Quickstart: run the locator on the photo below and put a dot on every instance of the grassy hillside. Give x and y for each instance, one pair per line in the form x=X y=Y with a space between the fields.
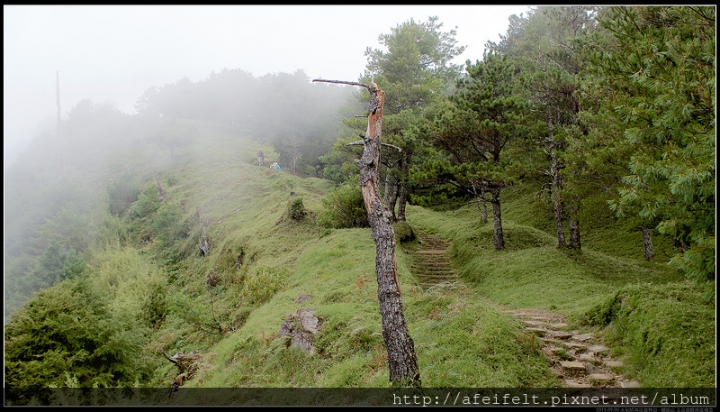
x=461 y=337
x=246 y=205
x=154 y=278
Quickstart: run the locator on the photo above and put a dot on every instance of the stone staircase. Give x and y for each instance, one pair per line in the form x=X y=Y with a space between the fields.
x=431 y=264
x=578 y=359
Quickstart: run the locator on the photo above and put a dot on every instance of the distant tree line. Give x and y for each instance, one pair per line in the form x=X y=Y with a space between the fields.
x=109 y=155
x=301 y=121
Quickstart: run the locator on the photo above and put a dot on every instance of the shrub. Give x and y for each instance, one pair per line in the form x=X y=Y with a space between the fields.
x=67 y=333
x=261 y=285
x=147 y=202
x=344 y=207
x=121 y=194
x=296 y=210
x=404 y=232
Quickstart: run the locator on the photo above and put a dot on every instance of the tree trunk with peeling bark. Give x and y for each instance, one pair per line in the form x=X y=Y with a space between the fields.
x=402 y=361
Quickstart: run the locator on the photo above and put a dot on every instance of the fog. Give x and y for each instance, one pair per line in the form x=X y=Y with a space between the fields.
x=115 y=53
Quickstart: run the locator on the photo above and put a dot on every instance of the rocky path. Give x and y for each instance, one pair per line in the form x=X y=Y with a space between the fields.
x=577 y=358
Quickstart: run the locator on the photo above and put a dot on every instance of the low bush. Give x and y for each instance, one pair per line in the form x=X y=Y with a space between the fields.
x=344 y=208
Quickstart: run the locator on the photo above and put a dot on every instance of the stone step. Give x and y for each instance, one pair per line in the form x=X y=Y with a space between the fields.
x=558 y=334
x=586 y=357
x=579 y=347
x=435 y=245
x=575 y=358
x=431 y=252
x=573 y=366
x=438 y=275
x=574 y=384
x=436 y=282
x=430 y=260
x=444 y=268
x=600 y=377
x=592 y=369
x=537 y=331
x=583 y=337
x=542 y=318
x=420 y=264
x=598 y=349
x=613 y=364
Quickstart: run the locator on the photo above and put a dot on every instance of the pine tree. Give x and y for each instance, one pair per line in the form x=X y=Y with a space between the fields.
x=660 y=64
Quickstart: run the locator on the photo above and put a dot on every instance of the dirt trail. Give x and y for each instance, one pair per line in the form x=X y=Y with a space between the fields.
x=577 y=358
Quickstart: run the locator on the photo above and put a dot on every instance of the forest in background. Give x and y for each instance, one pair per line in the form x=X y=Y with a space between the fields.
x=605 y=108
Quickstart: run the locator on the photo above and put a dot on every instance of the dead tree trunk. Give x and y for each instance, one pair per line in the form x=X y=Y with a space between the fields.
x=575 y=223
x=402 y=362
x=647 y=245
x=58 y=129
x=188 y=365
x=204 y=244
x=161 y=192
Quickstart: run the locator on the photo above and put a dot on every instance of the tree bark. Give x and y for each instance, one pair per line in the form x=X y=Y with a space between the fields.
x=647 y=245
x=497 y=220
x=555 y=188
x=403 y=196
x=161 y=192
x=391 y=194
x=402 y=361
x=574 y=224
x=204 y=244
x=480 y=199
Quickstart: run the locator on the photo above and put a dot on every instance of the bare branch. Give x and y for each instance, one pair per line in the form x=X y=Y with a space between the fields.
x=168 y=357
x=391 y=145
x=367 y=86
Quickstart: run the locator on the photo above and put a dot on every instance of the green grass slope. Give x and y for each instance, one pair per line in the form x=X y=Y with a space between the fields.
x=461 y=337
x=661 y=325
x=156 y=279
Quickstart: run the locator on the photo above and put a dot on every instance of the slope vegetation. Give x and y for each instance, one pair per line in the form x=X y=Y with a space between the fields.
x=274 y=300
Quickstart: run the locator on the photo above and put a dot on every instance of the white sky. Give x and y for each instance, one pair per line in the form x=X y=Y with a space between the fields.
x=117 y=52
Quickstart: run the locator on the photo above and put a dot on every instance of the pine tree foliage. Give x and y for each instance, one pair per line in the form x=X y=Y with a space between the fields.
x=660 y=64
x=480 y=123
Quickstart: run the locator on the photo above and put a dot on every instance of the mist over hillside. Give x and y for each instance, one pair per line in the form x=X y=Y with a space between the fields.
x=243 y=231
x=102 y=152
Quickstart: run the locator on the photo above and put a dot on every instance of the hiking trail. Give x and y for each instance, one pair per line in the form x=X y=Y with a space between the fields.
x=577 y=358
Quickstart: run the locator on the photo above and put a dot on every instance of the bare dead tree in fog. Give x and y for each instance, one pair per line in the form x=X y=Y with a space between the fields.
x=402 y=361
x=161 y=192
x=58 y=128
